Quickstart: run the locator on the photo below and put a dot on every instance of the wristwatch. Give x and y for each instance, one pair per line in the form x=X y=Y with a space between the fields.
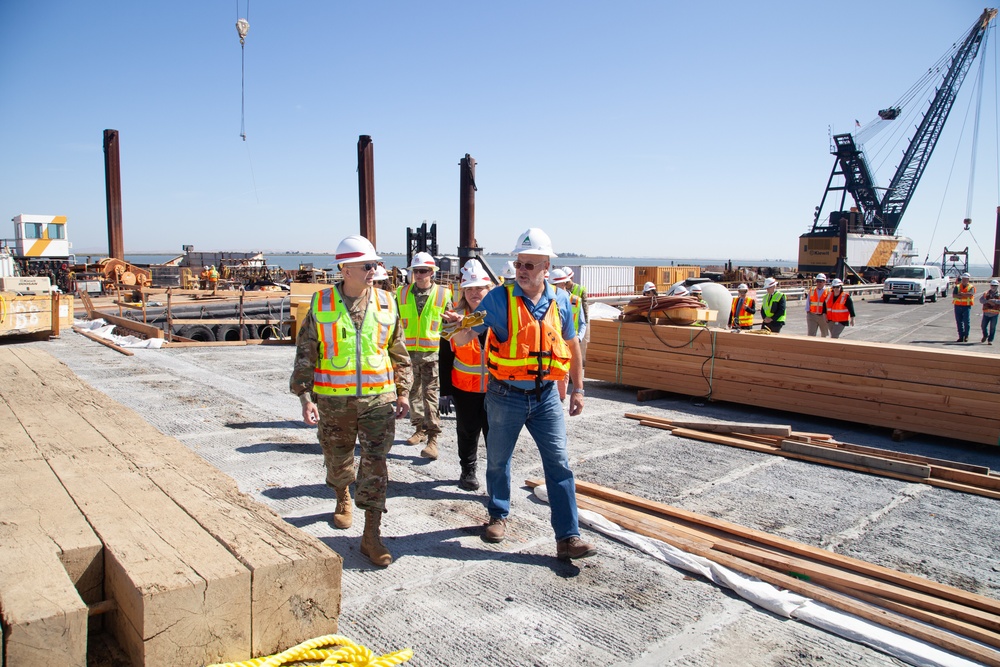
x=578 y=390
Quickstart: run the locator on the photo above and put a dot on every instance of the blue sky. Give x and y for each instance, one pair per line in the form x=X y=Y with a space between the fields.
x=652 y=129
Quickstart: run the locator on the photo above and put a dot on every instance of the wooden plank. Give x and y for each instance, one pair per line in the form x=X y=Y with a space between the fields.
x=102 y=341
x=260 y=320
x=857 y=458
x=147 y=330
x=25 y=314
x=734 y=427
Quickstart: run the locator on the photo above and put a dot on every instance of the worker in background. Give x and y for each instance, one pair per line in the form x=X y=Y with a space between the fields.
x=742 y=310
x=839 y=308
x=509 y=273
x=580 y=292
x=773 y=308
x=464 y=377
x=381 y=277
x=213 y=279
x=991 y=310
x=521 y=392
x=203 y=278
x=696 y=293
x=560 y=278
x=816 y=308
x=352 y=375
x=962 y=296
x=421 y=305
x=649 y=289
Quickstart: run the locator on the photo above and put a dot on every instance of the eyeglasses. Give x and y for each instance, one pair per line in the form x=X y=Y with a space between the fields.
x=423 y=270
x=369 y=266
x=530 y=266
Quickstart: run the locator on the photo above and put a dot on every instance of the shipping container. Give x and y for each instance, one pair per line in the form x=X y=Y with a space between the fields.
x=663 y=276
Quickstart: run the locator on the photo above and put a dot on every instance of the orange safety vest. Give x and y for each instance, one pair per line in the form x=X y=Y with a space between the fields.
x=836 y=309
x=534 y=349
x=964 y=296
x=815 y=301
x=468 y=371
x=987 y=308
x=746 y=318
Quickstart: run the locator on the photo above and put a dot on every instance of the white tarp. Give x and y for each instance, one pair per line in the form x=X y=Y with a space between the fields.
x=102 y=329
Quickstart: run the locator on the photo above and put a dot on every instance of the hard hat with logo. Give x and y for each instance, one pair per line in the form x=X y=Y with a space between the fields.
x=423 y=260
x=966 y=275
x=649 y=286
x=380 y=273
x=742 y=287
x=534 y=242
x=769 y=282
x=821 y=276
x=355 y=248
x=557 y=276
x=509 y=272
x=474 y=275
x=836 y=282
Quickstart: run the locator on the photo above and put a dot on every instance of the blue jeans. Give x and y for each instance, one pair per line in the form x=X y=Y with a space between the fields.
x=990 y=327
x=962 y=319
x=507 y=410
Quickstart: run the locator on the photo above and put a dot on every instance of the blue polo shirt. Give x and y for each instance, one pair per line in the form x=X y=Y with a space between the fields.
x=494 y=304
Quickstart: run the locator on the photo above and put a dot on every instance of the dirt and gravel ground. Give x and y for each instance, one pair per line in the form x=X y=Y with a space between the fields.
x=458 y=600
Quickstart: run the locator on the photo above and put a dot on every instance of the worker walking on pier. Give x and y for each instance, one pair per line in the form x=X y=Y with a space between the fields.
x=352 y=375
x=962 y=296
x=773 y=309
x=816 y=308
x=580 y=292
x=421 y=305
x=991 y=311
x=532 y=344
x=742 y=310
x=839 y=308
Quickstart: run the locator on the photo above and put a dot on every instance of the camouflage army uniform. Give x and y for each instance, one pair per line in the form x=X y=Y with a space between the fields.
x=342 y=419
x=424 y=411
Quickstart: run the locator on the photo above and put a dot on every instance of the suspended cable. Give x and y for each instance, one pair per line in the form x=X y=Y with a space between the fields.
x=975 y=136
x=242 y=28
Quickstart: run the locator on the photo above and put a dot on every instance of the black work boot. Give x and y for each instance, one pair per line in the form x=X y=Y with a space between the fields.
x=468 y=480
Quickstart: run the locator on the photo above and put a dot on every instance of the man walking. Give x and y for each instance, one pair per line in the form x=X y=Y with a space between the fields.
x=991 y=311
x=816 y=308
x=742 y=310
x=352 y=375
x=839 y=308
x=773 y=309
x=532 y=345
x=962 y=297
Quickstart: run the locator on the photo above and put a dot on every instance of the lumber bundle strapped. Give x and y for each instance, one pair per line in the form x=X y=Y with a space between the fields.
x=842 y=581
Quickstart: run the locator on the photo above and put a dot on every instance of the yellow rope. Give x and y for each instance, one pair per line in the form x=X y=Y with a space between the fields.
x=322 y=649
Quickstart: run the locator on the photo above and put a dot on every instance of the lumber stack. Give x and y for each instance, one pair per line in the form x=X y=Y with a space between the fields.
x=109 y=514
x=924 y=609
x=936 y=392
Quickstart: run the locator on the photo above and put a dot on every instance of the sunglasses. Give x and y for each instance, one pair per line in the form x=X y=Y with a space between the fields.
x=370 y=266
x=423 y=270
x=530 y=266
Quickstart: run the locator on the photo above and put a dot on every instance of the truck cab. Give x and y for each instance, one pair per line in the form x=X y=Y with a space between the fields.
x=917 y=281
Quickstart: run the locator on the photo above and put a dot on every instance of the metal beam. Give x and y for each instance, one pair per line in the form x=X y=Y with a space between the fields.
x=113 y=190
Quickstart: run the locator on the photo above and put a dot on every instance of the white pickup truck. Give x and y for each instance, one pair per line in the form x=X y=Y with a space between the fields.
x=917 y=281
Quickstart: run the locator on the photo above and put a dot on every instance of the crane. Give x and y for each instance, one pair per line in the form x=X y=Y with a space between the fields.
x=866 y=233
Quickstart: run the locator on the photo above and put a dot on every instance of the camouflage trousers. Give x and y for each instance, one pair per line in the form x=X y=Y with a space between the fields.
x=370 y=420
x=424 y=409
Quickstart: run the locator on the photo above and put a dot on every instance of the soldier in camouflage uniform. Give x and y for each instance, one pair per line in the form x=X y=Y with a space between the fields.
x=364 y=402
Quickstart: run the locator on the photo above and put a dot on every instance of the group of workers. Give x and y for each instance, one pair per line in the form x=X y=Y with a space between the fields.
x=209 y=278
x=366 y=357
x=962 y=298
x=829 y=310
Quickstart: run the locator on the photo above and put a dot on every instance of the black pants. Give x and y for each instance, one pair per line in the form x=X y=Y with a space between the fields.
x=774 y=327
x=470 y=417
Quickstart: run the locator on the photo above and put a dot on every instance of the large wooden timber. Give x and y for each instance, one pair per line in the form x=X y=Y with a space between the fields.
x=945 y=393
x=200 y=572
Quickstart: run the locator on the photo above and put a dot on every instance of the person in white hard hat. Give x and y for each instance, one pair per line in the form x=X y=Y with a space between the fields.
x=380 y=277
x=962 y=296
x=203 y=277
x=580 y=292
x=743 y=308
x=464 y=377
x=421 y=306
x=508 y=273
x=649 y=289
x=816 y=308
x=696 y=293
x=839 y=308
x=353 y=326
x=533 y=344
x=990 y=301
x=772 y=309
x=561 y=279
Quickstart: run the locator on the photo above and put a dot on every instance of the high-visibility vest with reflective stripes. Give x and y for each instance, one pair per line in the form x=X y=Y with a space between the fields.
x=987 y=308
x=577 y=305
x=351 y=361
x=964 y=296
x=816 y=301
x=468 y=371
x=836 y=309
x=578 y=290
x=533 y=349
x=769 y=300
x=745 y=318
x=422 y=331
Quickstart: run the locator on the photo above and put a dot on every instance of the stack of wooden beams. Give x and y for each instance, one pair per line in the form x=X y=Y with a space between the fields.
x=937 y=392
x=102 y=513
x=921 y=608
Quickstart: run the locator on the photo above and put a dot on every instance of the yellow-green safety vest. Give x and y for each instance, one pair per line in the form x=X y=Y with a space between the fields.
x=422 y=331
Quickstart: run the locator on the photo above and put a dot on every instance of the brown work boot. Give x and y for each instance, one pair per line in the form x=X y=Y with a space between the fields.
x=419 y=436
x=574 y=547
x=496 y=530
x=344 y=513
x=431 y=450
x=371 y=540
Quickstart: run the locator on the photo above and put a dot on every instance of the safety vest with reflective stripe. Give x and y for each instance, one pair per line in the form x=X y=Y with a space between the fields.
x=422 y=331
x=577 y=304
x=987 y=308
x=770 y=299
x=351 y=361
x=964 y=294
x=745 y=318
x=836 y=309
x=816 y=301
x=468 y=371
x=533 y=349
x=578 y=290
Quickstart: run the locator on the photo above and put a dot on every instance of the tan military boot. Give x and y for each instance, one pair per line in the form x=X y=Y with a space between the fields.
x=343 y=515
x=419 y=436
x=431 y=450
x=371 y=540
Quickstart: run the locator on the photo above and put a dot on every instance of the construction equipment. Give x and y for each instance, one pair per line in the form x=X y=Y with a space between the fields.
x=862 y=239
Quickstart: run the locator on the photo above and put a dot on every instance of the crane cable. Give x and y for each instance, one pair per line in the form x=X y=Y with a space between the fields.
x=975 y=131
x=242 y=28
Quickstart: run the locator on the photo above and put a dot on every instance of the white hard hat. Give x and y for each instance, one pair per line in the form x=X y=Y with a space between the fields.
x=402 y=272
x=557 y=276
x=423 y=260
x=380 y=273
x=648 y=286
x=994 y=283
x=966 y=275
x=821 y=276
x=509 y=272
x=769 y=282
x=474 y=275
x=696 y=289
x=681 y=291
x=742 y=287
x=534 y=242
x=356 y=249
x=569 y=272
x=206 y=267
x=836 y=282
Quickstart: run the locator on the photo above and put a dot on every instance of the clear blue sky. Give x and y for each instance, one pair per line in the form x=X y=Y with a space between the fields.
x=655 y=129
